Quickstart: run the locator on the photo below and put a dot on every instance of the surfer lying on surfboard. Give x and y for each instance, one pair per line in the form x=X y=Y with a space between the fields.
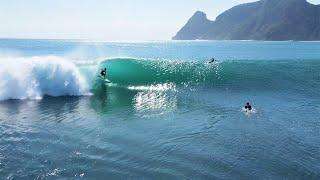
x=248 y=107
x=212 y=61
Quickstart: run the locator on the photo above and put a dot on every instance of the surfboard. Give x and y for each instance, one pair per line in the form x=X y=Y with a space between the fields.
x=107 y=81
x=104 y=79
x=249 y=112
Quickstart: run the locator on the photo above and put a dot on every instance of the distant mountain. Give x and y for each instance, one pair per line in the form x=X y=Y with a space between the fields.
x=261 y=20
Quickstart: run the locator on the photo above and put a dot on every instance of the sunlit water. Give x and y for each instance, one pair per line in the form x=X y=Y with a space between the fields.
x=167 y=114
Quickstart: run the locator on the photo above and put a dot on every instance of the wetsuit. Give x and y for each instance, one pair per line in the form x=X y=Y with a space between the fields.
x=248 y=107
x=103 y=73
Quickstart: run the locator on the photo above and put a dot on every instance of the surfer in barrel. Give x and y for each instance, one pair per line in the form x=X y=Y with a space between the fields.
x=103 y=73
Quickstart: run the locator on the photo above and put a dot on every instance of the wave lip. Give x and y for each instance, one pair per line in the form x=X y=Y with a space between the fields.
x=34 y=77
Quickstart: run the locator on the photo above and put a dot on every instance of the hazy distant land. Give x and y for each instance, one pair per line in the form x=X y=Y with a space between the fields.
x=273 y=20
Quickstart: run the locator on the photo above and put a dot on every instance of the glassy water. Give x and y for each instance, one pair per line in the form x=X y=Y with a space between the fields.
x=167 y=114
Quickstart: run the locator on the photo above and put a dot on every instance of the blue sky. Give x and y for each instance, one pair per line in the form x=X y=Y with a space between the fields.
x=103 y=19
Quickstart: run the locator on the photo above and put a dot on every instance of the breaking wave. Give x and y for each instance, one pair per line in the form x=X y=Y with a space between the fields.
x=35 y=77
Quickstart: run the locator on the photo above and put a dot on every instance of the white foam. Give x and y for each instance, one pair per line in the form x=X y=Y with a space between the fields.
x=34 y=77
x=158 y=87
x=249 y=112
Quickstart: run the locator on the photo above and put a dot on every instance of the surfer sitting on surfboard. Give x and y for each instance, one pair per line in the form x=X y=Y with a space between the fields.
x=248 y=107
x=103 y=73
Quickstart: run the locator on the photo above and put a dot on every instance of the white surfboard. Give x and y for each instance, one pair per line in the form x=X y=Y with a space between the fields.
x=104 y=79
x=249 y=112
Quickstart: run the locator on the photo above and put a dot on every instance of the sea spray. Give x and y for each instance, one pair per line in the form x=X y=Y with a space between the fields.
x=34 y=77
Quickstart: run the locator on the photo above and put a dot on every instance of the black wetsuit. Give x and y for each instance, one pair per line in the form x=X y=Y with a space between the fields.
x=248 y=107
x=103 y=73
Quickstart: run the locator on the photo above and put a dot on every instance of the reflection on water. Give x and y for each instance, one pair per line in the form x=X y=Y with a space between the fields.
x=55 y=108
x=150 y=100
x=71 y=137
x=136 y=100
x=152 y=103
x=154 y=100
x=158 y=87
x=111 y=99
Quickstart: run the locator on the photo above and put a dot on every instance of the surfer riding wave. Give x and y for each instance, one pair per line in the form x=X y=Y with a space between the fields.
x=103 y=73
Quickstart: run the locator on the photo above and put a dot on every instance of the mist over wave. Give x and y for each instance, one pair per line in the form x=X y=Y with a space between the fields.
x=34 y=77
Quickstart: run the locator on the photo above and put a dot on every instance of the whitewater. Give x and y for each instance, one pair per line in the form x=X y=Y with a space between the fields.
x=34 y=77
x=166 y=114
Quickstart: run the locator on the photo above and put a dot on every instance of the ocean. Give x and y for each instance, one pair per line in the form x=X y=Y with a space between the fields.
x=167 y=113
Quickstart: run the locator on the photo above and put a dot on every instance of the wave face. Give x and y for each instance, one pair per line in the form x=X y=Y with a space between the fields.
x=253 y=74
x=128 y=71
x=34 y=77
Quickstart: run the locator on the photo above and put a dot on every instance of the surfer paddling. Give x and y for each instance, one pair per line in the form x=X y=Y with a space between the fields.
x=212 y=61
x=103 y=73
x=248 y=107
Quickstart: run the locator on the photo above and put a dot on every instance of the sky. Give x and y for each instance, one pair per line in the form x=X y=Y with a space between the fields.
x=111 y=20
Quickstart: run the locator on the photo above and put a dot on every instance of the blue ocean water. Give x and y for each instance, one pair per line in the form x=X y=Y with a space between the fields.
x=167 y=114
